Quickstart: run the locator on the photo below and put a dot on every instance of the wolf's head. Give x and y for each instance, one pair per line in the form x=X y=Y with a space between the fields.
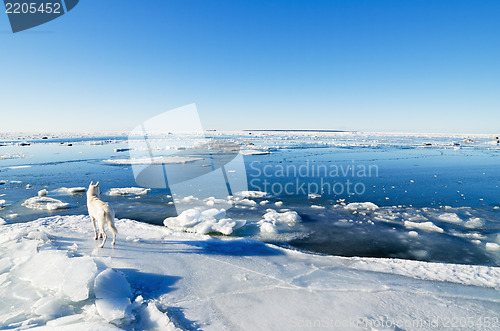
x=93 y=190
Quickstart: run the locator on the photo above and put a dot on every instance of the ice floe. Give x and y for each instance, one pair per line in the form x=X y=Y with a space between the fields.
x=129 y=191
x=155 y=160
x=44 y=203
x=273 y=221
x=425 y=226
x=71 y=190
x=252 y=194
x=203 y=222
x=361 y=206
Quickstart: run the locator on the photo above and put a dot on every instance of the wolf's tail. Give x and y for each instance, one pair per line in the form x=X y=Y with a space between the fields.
x=110 y=215
x=113 y=227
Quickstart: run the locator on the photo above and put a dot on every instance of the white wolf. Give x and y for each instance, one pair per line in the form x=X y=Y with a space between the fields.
x=102 y=212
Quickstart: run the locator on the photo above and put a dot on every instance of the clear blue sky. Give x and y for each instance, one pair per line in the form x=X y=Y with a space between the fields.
x=417 y=66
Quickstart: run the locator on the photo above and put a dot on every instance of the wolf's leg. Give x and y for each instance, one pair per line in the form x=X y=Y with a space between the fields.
x=95 y=228
x=104 y=237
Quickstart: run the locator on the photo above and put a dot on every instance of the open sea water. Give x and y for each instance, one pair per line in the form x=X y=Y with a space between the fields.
x=433 y=197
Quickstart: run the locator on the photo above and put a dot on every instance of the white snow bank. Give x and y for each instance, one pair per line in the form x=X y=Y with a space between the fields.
x=471 y=275
x=113 y=293
x=128 y=191
x=425 y=226
x=155 y=160
x=44 y=203
x=71 y=190
x=273 y=221
x=203 y=222
x=195 y=281
x=361 y=206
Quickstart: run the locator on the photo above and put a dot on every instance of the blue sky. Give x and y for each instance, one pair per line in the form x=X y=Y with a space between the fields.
x=407 y=66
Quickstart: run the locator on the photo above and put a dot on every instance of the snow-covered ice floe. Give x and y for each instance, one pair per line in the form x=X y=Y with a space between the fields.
x=44 y=203
x=252 y=194
x=273 y=221
x=155 y=160
x=129 y=191
x=71 y=190
x=211 y=220
x=52 y=274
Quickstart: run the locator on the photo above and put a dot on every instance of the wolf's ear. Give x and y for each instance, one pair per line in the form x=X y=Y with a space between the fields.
x=91 y=183
x=97 y=184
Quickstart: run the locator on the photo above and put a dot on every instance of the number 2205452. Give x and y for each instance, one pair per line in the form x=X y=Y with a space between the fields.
x=32 y=8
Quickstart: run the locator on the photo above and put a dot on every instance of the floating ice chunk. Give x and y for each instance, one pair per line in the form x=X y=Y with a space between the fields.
x=252 y=194
x=274 y=221
x=44 y=203
x=253 y=152
x=247 y=202
x=189 y=199
x=55 y=271
x=425 y=226
x=313 y=196
x=413 y=233
x=492 y=246
x=128 y=191
x=317 y=207
x=450 y=217
x=113 y=293
x=71 y=190
x=361 y=206
x=20 y=167
x=2 y=221
x=2 y=203
x=42 y=193
x=278 y=203
x=196 y=221
x=155 y=160
x=263 y=203
x=474 y=223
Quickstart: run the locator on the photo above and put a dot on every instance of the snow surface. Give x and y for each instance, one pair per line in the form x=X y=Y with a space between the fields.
x=44 y=203
x=53 y=275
